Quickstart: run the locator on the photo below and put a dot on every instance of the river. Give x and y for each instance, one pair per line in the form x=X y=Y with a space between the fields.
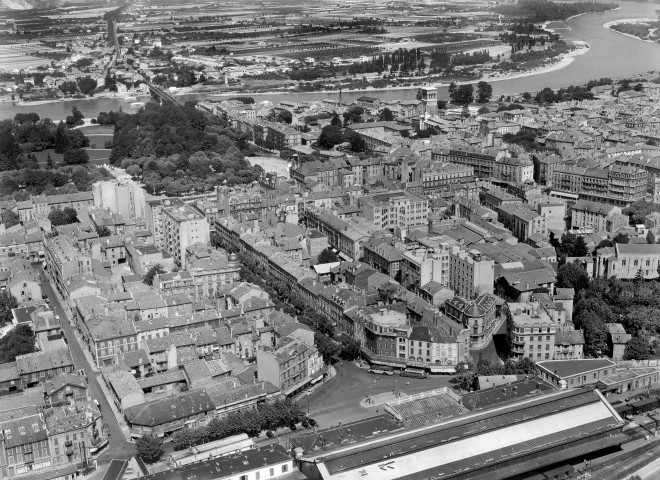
x=610 y=55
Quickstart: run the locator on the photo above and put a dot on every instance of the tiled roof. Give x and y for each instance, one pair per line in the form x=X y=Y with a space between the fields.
x=123 y=383
x=42 y=361
x=165 y=378
x=170 y=409
x=222 y=394
x=62 y=380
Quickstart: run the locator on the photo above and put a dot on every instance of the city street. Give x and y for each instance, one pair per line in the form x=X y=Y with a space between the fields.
x=496 y=349
x=338 y=399
x=118 y=448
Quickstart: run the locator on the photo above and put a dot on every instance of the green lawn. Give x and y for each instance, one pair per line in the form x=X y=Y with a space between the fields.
x=99 y=140
x=95 y=156
x=41 y=156
x=97 y=129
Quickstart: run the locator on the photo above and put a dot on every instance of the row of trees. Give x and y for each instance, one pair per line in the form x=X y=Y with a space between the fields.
x=522 y=41
x=465 y=94
x=466 y=373
x=267 y=417
x=20 y=184
x=540 y=11
x=328 y=344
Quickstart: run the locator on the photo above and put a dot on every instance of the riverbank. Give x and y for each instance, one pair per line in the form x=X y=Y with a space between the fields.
x=609 y=26
x=557 y=63
x=563 y=61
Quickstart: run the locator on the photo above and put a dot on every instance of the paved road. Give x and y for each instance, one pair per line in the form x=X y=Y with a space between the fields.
x=497 y=348
x=338 y=399
x=119 y=448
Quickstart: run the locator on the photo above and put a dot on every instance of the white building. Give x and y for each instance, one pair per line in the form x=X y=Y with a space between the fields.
x=122 y=196
x=470 y=273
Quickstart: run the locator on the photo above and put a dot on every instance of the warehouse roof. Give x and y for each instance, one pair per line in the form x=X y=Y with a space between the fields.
x=569 y=368
x=474 y=441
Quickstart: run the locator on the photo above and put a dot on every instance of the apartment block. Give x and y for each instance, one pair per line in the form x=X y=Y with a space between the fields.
x=522 y=221
x=619 y=185
x=237 y=201
x=470 y=273
x=64 y=260
x=482 y=160
x=121 y=196
x=395 y=210
x=182 y=226
x=531 y=332
x=593 y=215
x=445 y=177
x=422 y=265
x=479 y=316
x=291 y=367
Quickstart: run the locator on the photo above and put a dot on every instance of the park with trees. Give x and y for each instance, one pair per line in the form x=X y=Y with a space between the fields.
x=28 y=137
x=178 y=149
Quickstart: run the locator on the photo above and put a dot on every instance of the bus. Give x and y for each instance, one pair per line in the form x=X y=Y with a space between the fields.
x=414 y=372
x=381 y=370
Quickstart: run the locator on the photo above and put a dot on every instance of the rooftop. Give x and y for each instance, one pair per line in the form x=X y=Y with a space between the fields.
x=570 y=368
x=231 y=466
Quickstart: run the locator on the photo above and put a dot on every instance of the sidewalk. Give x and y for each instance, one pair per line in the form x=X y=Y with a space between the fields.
x=120 y=420
x=83 y=347
x=381 y=399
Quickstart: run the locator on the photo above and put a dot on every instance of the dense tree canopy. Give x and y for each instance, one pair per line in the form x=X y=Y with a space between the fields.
x=572 y=275
x=466 y=373
x=178 y=149
x=328 y=256
x=151 y=273
x=9 y=218
x=150 y=448
x=330 y=136
x=484 y=92
x=462 y=94
x=59 y=217
x=638 y=210
x=7 y=302
x=18 y=341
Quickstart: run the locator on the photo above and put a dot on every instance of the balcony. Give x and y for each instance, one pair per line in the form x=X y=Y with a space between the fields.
x=517 y=349
x=69 y=451
x=68 y=443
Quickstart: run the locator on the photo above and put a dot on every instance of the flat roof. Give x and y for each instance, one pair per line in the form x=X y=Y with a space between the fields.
x=570 y=368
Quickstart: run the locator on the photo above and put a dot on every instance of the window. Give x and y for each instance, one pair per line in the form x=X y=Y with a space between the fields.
x=285 y=468
x=272 y=472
